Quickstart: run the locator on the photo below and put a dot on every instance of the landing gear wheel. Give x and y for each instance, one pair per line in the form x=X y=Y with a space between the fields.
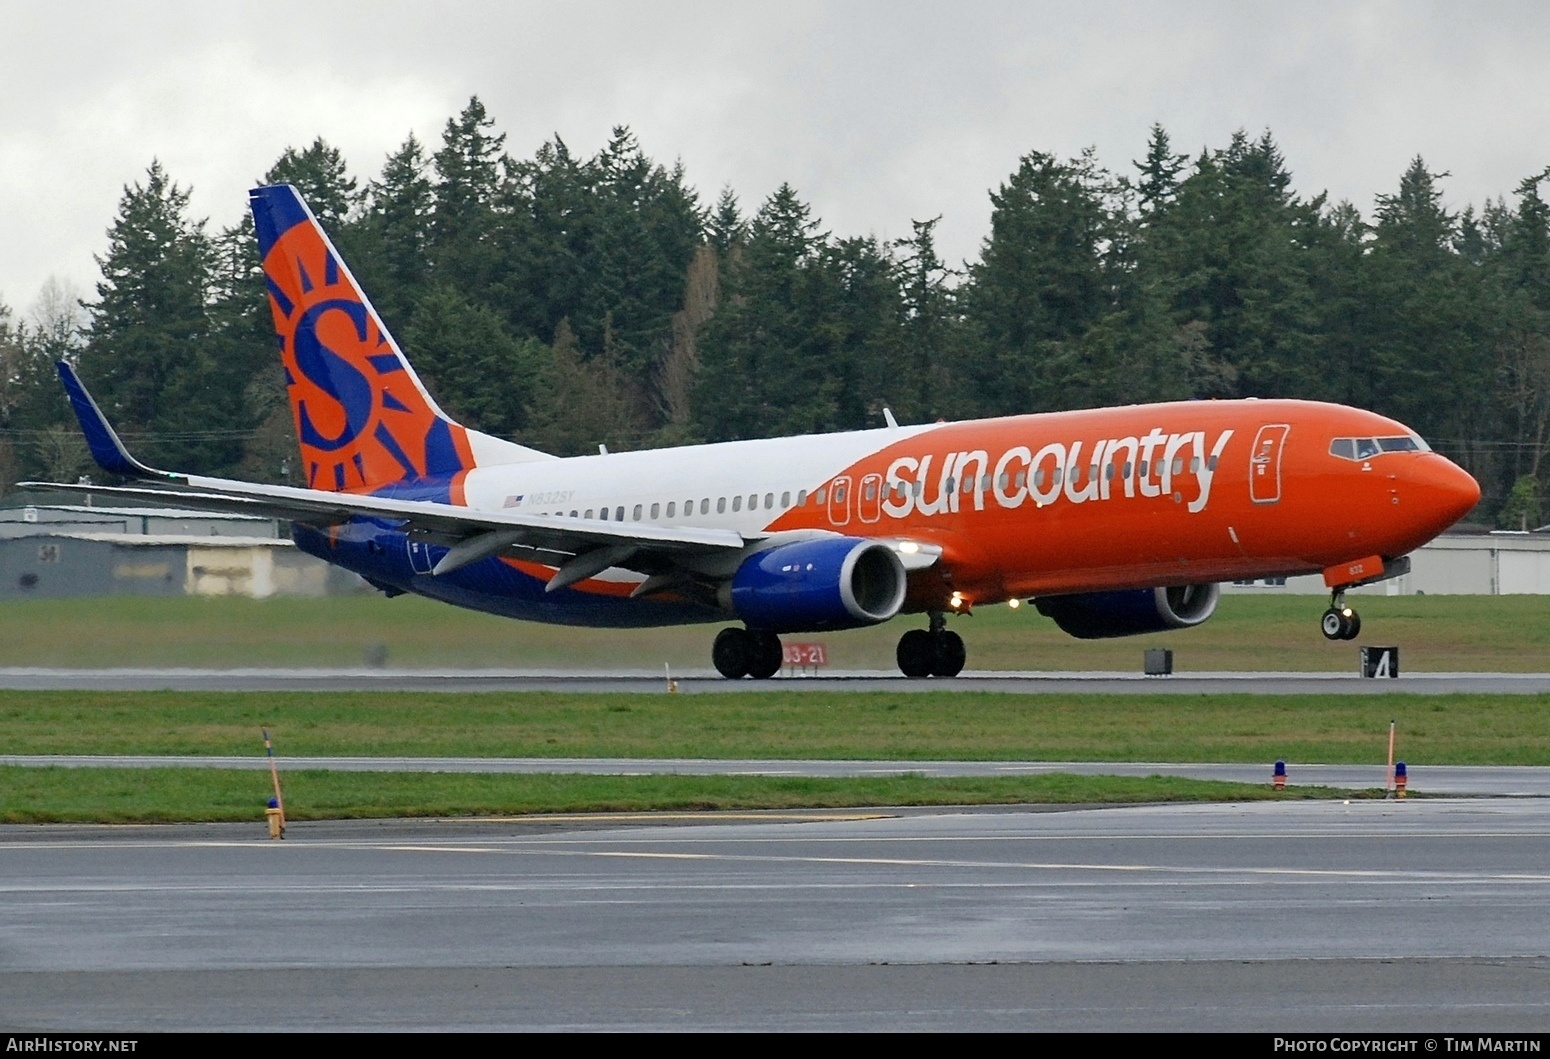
x=950 y=655
x=765 y=658
x=916 y=654
x=1340 y=624
x=732 y=653
x=1353 y=625
x=1332 y=624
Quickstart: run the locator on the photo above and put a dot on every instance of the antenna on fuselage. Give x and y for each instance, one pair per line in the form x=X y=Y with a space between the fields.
x=888 y=415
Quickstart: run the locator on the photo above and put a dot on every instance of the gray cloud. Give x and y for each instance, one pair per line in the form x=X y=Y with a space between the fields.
x=876 y=112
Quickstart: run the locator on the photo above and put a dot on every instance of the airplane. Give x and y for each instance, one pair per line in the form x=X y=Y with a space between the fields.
x=1111 y=521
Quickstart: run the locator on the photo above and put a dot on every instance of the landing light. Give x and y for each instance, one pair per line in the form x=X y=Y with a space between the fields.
x=1014 y=603
x=909 y=547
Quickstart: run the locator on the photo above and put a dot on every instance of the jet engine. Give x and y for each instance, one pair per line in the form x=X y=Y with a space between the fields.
x=807 y=586
x=1102 y=615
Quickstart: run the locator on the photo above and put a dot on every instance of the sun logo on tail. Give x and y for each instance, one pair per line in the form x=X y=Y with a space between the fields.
x=362 y=418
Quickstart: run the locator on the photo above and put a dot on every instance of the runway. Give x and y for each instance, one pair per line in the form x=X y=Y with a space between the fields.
x=1410 y=917
x=702 y=681
x=1509 y=781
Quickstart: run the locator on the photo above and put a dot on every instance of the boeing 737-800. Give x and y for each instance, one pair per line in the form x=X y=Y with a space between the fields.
x=1112 y=521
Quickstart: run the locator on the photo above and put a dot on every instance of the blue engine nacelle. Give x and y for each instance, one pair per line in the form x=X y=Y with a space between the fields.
x=808 y=586
x=1101 y=615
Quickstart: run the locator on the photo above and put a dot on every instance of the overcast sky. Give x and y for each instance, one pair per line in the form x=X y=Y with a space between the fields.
x=876 y=113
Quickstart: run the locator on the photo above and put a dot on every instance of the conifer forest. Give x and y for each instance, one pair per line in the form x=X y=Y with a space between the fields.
x=570 y=301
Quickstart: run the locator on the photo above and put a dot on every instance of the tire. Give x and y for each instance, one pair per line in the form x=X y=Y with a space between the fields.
x=916 y=654
x=765 y=656
x=731 y=653
x=1333 y=624
x=1353 y=626
x=950 y=655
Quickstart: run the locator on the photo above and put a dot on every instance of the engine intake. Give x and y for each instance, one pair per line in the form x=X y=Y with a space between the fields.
x=1131 y=612
x=809 y=586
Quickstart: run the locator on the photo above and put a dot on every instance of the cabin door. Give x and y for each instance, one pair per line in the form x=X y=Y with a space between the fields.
x=1265 y=463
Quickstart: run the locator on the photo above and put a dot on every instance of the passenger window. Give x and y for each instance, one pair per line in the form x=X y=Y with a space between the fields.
x=1194 y=465
x=1056 y=477
x=1108 y=472
x=672 y=508
x=785 y=499
x=721 y=505
x=1142 y=467
x=705 y=506
x=1211 y=463
x=572 y=514
x=1178 y=465
x=1022 y=476
x=636 y=516
x=769 y=501
x=818 y=495
x=801 y=497
x=619 y=513
x=589 y=513
x=1125 y=471
x=737 y=503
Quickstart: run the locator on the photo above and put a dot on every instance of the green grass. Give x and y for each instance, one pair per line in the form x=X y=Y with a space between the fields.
x=1435 y=633
x=58 y=795
x=1450 y=729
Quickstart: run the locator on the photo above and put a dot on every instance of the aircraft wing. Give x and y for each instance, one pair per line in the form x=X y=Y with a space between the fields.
x=579 y=548
x=575 y=545
x=472 y=534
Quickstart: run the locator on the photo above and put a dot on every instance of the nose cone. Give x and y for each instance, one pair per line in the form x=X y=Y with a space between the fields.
x=1437 y=493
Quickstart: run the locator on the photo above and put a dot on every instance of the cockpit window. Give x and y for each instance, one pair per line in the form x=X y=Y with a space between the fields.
x=1367 y=448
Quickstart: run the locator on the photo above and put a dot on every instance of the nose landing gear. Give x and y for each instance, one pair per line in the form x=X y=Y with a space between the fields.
x=935 y=652
x=1340 y=622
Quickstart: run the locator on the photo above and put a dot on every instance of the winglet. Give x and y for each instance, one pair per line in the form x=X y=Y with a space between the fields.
x=106 y=448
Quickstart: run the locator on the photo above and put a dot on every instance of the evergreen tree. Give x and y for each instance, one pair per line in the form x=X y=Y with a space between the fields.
x=585 y=403
x=478 y=372
x=1042 y=282
x=764 y=370
x=149 y=357
x=319 y=172
x=468 y=170
x=394 y=233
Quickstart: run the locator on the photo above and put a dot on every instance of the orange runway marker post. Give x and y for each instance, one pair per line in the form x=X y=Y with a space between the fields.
x=1400 y=778
x=1391 y=759
x=275 y=813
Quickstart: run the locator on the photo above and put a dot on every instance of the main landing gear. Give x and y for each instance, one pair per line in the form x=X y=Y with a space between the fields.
x=739 y=653
x=1340 y=622
x=937 y=652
